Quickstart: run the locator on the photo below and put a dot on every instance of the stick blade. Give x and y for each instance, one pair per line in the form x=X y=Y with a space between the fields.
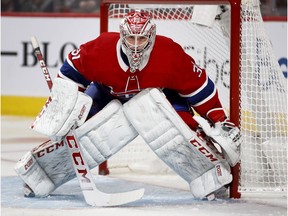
x=113 y=199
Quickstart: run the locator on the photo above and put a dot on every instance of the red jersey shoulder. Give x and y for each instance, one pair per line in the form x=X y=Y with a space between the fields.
x=94 y=53
x=171 y=51
x=103 y=39
x=166 y=44
x=186 y=75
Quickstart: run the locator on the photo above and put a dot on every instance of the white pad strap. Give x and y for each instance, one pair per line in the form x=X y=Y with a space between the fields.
x=66 y=107
x=169 y=137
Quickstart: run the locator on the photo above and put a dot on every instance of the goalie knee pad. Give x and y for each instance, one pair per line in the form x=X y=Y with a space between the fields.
x=173 y=141
x=100 y=137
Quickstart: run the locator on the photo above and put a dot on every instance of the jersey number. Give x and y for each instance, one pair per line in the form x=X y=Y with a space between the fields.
x=75 y=54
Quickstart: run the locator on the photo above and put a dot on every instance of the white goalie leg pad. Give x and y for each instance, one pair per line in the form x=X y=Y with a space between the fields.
x=34 y=176
x=172 y=140
x=65 y=107
x=106 y=133
x=100 y=137
x=210 y=181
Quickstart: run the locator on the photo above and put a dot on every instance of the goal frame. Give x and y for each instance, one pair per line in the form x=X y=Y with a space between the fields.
x=235 y=42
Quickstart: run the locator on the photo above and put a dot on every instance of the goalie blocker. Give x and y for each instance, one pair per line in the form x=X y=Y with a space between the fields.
x=152 y=116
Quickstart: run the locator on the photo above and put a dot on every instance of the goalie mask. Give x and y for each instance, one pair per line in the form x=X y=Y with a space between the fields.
x=137 y=32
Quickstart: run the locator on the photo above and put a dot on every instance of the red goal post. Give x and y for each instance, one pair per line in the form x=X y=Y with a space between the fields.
x=249 y=52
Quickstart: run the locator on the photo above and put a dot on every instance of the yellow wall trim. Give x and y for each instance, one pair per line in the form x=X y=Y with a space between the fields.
x=21 y=105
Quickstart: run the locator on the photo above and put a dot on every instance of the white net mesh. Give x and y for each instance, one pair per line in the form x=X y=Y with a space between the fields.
x=263 y=95
x=263 y=108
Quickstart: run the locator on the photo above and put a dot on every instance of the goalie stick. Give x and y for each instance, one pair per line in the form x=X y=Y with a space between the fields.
x=93 y=196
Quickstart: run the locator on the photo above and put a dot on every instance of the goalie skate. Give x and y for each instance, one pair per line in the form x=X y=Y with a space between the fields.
x=221 y=193
x=28 y=192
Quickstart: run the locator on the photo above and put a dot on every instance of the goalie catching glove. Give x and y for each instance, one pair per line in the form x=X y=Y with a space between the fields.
x=223 y=133
x=65 y=107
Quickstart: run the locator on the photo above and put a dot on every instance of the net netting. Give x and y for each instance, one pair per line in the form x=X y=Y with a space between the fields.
x=263 y=107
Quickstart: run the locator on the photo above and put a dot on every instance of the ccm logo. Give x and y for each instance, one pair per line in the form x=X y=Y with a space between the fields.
x=77 y=158
x=218 y=170
x=203 y=150
x=45 y=70
x=82 y=112
x=28 y=164
x=49 y=149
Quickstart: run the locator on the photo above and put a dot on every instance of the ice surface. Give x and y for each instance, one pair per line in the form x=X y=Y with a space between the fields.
x=164 y=195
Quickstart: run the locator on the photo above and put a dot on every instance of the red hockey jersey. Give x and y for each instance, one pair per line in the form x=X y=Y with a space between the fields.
x=168 y=67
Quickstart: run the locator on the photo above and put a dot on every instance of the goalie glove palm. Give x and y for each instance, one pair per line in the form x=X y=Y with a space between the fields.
x=225 y=134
